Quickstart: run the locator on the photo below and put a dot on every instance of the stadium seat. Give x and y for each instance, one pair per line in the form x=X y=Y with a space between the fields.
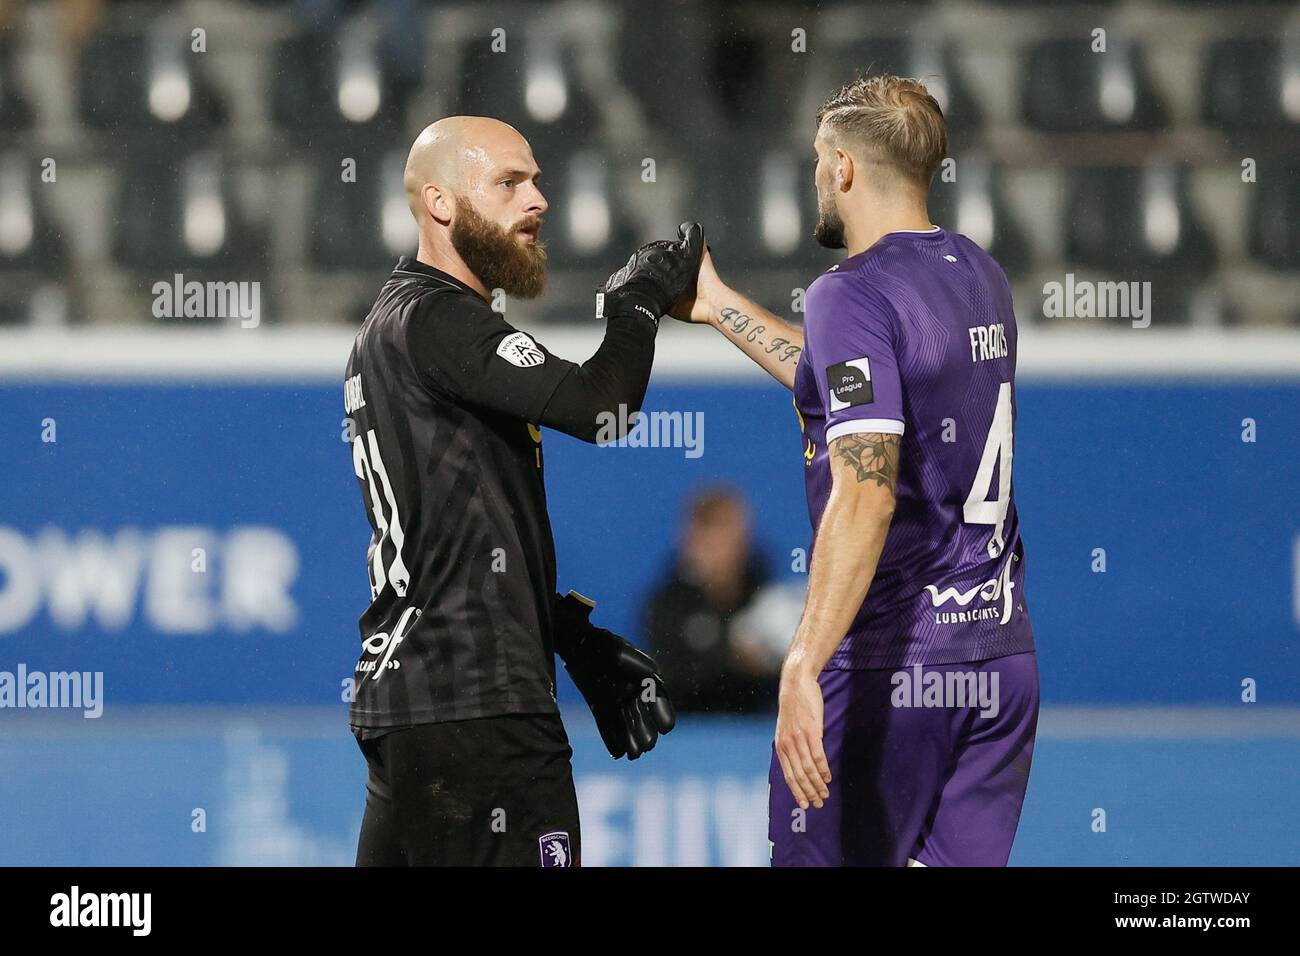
x=760 y=204
x=335 y=85
x=540 y=93
x=662 y=64
x=1067 y=88
x=1136 y=220
x=33 y=250
x=974 y=205
x=146 y=82
x=725 y=108
x=180 y=214
x=1274 y=230
x=361 y=225
x=29 y=239
x=1243 y=86
x=588 y=220
x=751 y=75
x=15 y=113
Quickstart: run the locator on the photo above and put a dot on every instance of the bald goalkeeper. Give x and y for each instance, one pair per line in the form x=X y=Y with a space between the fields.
x=454 y=705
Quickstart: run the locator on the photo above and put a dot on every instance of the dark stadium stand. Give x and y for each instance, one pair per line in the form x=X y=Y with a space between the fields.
x=15 y=113
x=975 y=204
x=1244 y=85
x=1137 y=224
x=183 y=213
x=588 y=223
x=325 y=86
x=1066 y=157
x=139 y=82
x=33 y=250
x=362 y=225
x=1131 y=218
x=1067 y=88
x=1275 y=219
x=29 y=238
x=540 y=91
x=760 y=205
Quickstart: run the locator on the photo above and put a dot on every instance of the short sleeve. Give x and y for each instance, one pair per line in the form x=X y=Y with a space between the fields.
x=472 y=354
x=852 y=336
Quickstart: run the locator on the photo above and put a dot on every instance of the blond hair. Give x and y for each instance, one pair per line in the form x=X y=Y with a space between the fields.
x=894 y=118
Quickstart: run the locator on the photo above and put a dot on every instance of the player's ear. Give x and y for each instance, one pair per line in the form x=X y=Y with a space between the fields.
x=438 y=202
x=843 y=171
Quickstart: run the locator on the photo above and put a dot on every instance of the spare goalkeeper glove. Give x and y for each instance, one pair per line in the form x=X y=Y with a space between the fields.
x=621 y=684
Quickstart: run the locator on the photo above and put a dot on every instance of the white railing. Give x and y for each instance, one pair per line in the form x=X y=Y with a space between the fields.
x=313 y=353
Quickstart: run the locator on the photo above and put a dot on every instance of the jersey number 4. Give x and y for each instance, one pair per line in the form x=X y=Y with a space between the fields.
x=369 y=466
x=997 y=451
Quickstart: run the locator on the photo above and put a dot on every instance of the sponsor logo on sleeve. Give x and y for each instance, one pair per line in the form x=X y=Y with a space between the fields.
x=850 y=384
x=519 y=349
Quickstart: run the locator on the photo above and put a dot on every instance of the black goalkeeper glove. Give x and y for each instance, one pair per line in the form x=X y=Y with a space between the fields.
x=621 y=684
x=657 y=275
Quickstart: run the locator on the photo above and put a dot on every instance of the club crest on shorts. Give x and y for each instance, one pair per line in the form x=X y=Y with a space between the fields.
x=554 y=848
x=518 y=348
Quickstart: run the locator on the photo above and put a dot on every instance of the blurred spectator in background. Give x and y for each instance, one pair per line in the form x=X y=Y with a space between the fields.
x=717 y=628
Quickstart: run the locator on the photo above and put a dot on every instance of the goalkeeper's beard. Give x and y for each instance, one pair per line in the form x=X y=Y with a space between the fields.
x=495 y=254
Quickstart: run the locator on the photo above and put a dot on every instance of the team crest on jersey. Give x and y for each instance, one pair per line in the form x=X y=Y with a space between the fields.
x=849 y=383
x=518 y=348
x=554 y=848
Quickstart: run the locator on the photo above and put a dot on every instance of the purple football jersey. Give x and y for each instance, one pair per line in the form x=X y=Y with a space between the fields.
x=916 y=337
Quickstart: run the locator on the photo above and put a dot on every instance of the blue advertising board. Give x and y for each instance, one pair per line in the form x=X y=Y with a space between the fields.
x=205 y=544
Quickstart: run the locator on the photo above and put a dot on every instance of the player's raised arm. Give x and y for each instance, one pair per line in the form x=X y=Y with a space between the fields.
x=771 y=342
x=631 y=301
x=864 y=469
x=481 y=359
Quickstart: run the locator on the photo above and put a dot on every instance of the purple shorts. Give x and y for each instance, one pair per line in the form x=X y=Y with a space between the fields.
x=928 y=764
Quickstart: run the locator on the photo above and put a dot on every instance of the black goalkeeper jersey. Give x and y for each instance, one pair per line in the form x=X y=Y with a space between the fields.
x=445 y=397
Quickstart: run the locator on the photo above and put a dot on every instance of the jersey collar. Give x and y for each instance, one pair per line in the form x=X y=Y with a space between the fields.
x=408 y=266
x=937 y=232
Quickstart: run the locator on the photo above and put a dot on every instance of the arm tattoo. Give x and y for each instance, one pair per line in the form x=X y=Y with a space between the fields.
x=872 y=455
x=787 y=350
x=737 y=322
